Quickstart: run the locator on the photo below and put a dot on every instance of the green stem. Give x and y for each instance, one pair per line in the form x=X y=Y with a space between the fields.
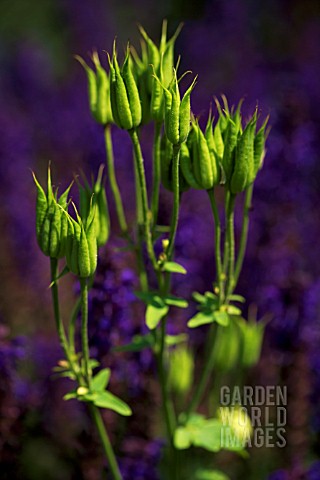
x=205 y=376
x=144 y=197
x=176 y=199
x=113 y=181
x=217 y=245
x=108 y=450
x=156 y=173
x=84 y=329
x=72 y=325
x=244 y=233
x=231 y=245
x=55 y=300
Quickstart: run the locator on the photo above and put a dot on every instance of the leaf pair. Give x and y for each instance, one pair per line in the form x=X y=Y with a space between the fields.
x=99 y=396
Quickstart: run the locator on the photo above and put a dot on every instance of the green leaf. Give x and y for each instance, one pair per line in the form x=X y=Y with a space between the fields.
x=61 y=274
x=174 y=267
x=201 y=318
x=139 y=342
x=100 y=381
x=208 y=436
x=172 y=340
x=110 y=401
x=222 y=318
x=237 y=298
x=232 y=310
x=70 y=395
x=204 y=474
x=175 y=301
x=155 y=312
x=198 y=297
x=182 y=438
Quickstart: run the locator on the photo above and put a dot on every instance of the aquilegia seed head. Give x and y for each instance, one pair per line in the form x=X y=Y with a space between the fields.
x=96 y=195
x=125 y=99
x=51 y=224
x=81 y=251
x=177 y=112
x=199 y=162
x=98 y=90
x=243 y=149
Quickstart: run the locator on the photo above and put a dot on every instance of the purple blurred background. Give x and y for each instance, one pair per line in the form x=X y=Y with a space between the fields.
x=266 y=51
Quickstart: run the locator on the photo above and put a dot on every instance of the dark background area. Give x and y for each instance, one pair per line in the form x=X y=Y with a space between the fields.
x=267 y=52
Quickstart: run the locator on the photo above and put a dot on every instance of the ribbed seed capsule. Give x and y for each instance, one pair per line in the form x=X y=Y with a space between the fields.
x=186 y=167
x=81 y=254
x=166 y=159
x=125 y=99
x=230 y=142
x=50 y=226
x=95 y=195
x=259 y=146
x=98 y=90
x=177 y=112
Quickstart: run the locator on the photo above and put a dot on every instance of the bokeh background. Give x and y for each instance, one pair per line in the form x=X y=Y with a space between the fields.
x=266 y=51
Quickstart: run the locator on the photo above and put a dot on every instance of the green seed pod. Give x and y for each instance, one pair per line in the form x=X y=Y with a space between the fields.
x=243 y=174
x=132 y=91
x=81 y=253
x=259 y=146
x=98 y=90
x=230 y=142
x=200 y=167
x=161 y=61
x=181 y=368
x=177 y=112
x=51 y=228
x=124 y=93
x=186 y=167
x=228 y=343
x=253 y=333
x=166 y=158
x=96 y=195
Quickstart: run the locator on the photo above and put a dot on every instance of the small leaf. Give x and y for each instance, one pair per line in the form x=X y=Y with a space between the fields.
x=237 y=298
x=182 y=439
x=222 y=318
x=139 y=342
x=155 y=312
x=204 y=474
x=174 y=267
x=201 y=318
x=198 y=297
x=61 y=274
x=208 y=436
x=108 y=400
x=70 y=395
x=175 y=301
x=100 y=380
x=172 y=340
x=232 y=310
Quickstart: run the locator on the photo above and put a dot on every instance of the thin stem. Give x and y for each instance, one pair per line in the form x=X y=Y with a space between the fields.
x=156 y=173
x=113 y=181
x=226 y=246
x=55 y=300
x=205 y=376
x=176 y=199
x=144 y=197
x=72 y=325
x=108 y=450
x=84 y=328
x=231 y=245
x=244 y=233
x=217 y=228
